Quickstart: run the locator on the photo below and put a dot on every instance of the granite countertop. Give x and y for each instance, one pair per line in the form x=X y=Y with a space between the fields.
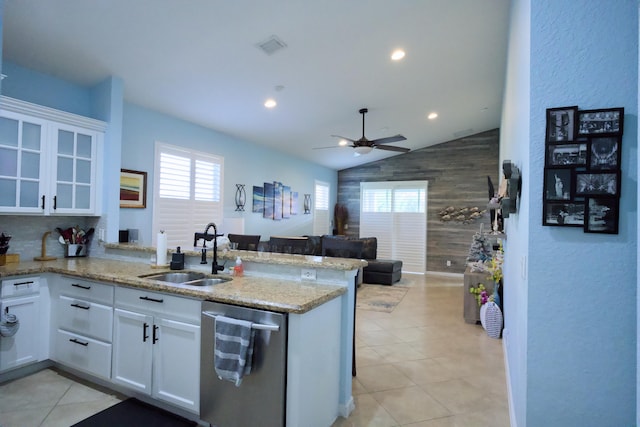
x=286 y=296
x=306 y=261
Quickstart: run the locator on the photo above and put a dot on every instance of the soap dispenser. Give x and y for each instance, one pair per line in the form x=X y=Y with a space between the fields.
x=177 y=260
x=238 y=270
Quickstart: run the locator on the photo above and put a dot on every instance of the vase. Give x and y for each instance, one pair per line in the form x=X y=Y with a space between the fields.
x=493 y=319
x=483 y=316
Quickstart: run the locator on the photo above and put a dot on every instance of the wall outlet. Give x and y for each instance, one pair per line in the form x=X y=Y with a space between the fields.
x=448 y=263
x=308 y=274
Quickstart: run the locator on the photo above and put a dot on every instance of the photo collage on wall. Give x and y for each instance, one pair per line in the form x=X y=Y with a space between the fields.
x=582 y=168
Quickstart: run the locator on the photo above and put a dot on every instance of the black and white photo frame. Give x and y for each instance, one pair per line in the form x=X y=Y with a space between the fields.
x=582 y=174
x=601 y=215
x=608 y=121
x=561 y=124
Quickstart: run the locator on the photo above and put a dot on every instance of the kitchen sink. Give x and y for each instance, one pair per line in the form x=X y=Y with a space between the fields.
x=192 y=278
x=181 y=277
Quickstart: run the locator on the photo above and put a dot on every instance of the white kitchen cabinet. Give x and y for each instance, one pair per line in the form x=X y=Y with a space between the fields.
x=23 y=347
x=83 y=325
x=50 y=160
x=156 y=346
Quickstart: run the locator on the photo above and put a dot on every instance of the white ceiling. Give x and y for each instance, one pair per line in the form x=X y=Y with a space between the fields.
x=198 y=60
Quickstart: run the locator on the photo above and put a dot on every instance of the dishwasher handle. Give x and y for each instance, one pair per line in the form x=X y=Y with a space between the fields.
x=258 y=326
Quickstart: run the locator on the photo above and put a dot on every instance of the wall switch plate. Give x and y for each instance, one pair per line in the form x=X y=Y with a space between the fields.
x=101 y=234
x=448 y=263
x=308 y=274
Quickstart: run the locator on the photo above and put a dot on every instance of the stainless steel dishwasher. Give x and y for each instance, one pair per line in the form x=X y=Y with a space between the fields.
x=261 y=397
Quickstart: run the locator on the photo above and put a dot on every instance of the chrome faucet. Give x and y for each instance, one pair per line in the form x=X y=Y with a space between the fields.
x=208 y=237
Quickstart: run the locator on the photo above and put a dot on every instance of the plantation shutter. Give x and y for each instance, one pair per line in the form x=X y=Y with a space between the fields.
x=395 y=213
x=321 y=209
x=187 y=193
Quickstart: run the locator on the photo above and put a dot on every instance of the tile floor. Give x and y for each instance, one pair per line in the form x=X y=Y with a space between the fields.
x=420 y=365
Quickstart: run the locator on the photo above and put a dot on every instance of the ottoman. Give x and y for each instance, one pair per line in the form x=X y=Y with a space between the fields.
x=382 y=271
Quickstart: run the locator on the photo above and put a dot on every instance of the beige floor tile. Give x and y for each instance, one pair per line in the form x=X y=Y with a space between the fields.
x=24 y=417
x=382 y=377
x=79 y=393
x=373 y=338
x=42 y=389
x=69 y=414
x=366 y=356
x=424 y=371
x=368 y=413
x=460 y=396
x=410 y=404
x=391 y=353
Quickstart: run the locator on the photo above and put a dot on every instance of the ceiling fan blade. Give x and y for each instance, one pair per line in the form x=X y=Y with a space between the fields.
x=342 y=137
x=389 y=139
x=391 y=148
x=322 y=148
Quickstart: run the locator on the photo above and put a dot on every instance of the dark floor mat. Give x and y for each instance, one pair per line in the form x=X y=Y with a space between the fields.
x=134 y=413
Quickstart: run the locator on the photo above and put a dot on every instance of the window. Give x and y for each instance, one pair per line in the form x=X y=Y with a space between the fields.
x=187 y=193
x=395 y=213
x=321 y=209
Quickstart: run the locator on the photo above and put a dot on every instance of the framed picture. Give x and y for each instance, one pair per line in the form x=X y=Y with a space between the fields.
x=608 y=121
x=604 y=153
x=133 y=189
x=598 y=184
x=561 y=124
x=601 y=216
x=563 y=155
x=563 y=214
x=558 y=184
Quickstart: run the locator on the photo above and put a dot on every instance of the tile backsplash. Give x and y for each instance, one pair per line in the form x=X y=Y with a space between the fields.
x=26 y=233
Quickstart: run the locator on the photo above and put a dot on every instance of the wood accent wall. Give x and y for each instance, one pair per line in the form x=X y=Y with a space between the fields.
x=457 y=173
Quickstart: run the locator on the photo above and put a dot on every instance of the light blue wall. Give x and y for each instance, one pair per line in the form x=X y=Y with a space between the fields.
x=244 y=163
x=571 y=347
x=514 y=137
x=43 y=89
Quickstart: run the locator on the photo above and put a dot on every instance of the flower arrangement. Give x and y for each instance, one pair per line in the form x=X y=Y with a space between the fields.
x=495 y=265
x=481 y=295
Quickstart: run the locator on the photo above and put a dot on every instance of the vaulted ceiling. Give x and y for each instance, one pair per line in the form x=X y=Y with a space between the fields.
x=200 y=60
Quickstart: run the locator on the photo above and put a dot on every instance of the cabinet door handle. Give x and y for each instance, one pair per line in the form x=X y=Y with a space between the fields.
x=77 y=341
x=144 y=332
x=81 y=306
x=155 y=336
x=23 y=283
x=76 y=285
x=42 y=206
x=55 y=202
x=151 y=299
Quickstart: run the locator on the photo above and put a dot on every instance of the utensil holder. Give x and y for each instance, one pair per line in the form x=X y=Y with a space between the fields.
x=74 y=250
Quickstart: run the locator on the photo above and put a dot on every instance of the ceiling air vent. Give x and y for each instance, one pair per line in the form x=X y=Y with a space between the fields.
x=272 y=45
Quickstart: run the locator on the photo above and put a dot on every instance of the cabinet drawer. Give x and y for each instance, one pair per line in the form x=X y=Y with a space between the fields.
x=170 y=306
x=86 y=290
x=20 y=286
x=82 y=353
x=86 y=318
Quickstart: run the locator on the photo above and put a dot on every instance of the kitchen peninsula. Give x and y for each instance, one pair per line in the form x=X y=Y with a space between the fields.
x=321 y=304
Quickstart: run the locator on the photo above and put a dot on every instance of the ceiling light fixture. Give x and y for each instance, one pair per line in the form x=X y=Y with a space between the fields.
x=432 y=116
x=363 y=149
x=397 y=54
x=270 y=103
x=343 y=142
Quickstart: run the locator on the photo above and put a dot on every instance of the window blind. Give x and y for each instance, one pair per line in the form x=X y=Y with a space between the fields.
x=395 y=213
x=321 y=209
x=187 y=193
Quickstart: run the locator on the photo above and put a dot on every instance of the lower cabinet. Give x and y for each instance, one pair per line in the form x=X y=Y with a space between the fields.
x=153 y=353
x=83 y=353
x=24 y=346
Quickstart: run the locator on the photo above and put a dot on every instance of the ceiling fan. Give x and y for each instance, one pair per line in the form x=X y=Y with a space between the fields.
x=364 y=146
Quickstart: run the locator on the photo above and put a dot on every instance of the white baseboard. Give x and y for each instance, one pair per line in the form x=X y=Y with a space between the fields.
x=512 y=415
x=444 y=274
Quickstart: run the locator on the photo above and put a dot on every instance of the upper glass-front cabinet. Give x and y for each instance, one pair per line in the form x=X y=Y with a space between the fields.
x=48 y=167
x=75 y=165
x=22 y=163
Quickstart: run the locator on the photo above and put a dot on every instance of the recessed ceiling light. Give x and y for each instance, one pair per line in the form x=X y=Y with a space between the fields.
x=270 y=103
x=398 y=54
x=432 y=116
